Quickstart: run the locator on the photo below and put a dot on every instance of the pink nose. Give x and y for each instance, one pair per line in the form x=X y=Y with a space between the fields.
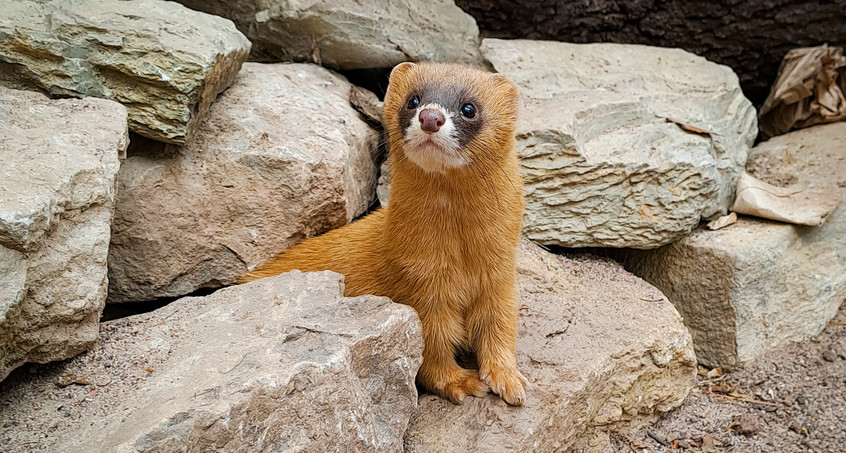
x=431 y=120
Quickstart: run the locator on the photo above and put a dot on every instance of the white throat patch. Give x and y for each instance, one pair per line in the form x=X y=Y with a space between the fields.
x=434 y=152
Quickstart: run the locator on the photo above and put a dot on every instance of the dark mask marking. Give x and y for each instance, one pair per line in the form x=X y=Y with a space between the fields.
x=451 y=97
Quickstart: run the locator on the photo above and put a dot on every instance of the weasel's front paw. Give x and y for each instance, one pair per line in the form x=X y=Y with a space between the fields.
x=507 y=382
x=465 y=383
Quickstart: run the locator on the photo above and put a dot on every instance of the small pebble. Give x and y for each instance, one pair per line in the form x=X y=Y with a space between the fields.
x=829 y=355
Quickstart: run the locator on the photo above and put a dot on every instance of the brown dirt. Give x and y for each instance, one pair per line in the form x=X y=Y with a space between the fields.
x=793 y=400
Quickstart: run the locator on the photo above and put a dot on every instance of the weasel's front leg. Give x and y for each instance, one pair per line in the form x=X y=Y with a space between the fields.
x=492 y=326
x=439 y=373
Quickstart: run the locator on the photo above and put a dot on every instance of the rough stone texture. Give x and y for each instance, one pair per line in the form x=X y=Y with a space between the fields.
x=280 y=156
x=751 y=37
x=383 y=187
x=281 y=364
x=754 y=286
x=602 y=350
x=57 y=191
x=603 y=166
x=352 y=34
x=164 y=62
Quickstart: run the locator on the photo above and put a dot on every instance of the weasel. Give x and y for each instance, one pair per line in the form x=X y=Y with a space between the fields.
x=446 y=242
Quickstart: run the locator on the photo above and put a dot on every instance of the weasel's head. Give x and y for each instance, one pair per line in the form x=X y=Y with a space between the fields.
x=444 y=117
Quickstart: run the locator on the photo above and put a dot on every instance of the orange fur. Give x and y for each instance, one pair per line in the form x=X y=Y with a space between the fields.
x=445 y=244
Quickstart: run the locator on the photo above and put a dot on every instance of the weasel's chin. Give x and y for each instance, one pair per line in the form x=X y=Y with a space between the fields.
x=431 y=145
x=433 y=157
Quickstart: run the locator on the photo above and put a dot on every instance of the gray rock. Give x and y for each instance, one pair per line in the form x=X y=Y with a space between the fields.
x=164 y=62
x=603 y=164
x=352 y=34
x=282 y=364
x=383 y=186
x=602 y=350
x=756 y=285
x=57 y=191
x=280 y=156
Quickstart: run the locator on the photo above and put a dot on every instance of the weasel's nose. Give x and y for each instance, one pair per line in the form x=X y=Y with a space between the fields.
x=431 y=120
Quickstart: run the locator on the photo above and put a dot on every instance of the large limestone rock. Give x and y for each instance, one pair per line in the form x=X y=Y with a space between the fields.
x=604 y=165
x=164 y=62
x=57 y=190
x=602 y=350
x=282 y=364
x=280 y=156
x=757 y=285
x=352 y=34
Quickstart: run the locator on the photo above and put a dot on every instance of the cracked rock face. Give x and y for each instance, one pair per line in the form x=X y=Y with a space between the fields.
x=57 y=189
x=285 y=363
x=602 y=351
x=352 y=34
x=603 y=161
x=757 y=285
x=280 y=156
x=164 y=62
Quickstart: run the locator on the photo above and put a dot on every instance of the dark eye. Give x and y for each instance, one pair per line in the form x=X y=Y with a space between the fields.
x=413 y=102
x=468 y=111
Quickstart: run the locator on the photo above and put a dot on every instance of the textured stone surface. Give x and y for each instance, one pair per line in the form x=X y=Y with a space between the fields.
x=282 y=364
x=280 y=156
x=164 y=62
x=602 y=350
x=603 y=166
x=757 y=285
x=751 y=37
x=57 y=190
x=352 y=34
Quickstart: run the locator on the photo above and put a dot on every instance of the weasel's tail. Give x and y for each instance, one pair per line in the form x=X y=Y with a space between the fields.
x=340 y=250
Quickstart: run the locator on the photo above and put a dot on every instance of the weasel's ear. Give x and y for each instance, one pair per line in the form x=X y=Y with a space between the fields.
x=505 y=83
x=400 y=70
x=507 y=90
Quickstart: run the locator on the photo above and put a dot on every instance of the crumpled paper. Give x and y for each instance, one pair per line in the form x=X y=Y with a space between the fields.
x=810 y=89
x=793 y=204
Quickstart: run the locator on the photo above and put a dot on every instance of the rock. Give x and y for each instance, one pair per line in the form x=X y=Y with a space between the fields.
x=383 y=185
x=260 y=367
x=352 y=35
x=57 y=192
x=608 y=144
x=757 y=285
x=751 y=37
x=602 y=350
x=840 y=348
x=791 y=204
x=164 y=62
x=746 y=424
x=280 y=156
x=829 y=356
x=811 y=157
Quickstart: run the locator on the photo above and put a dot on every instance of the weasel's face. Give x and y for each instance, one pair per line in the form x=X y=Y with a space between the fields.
x=443 y=117
x=437 y=122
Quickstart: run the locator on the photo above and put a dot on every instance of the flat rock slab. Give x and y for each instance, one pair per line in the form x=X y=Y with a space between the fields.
x=281 y=155
x=282 y=364
x=164 y=62
x=756 y=285
x=602 y=350
x=352 y=34
x=57 y=191
x=608 y=140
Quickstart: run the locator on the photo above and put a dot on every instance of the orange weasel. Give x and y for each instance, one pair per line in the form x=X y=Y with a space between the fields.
x=446 y=242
